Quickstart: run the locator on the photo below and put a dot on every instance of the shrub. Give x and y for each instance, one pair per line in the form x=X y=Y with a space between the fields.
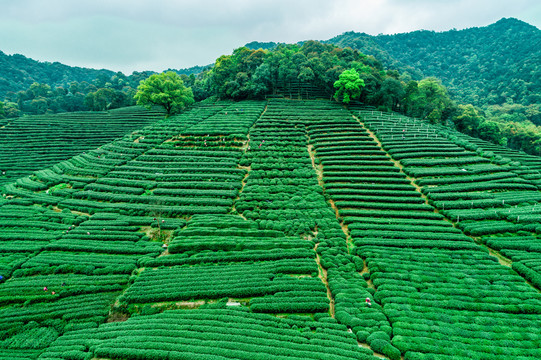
x=391 y=352
x=362 y=335
x=377 y=335
x=379 y=344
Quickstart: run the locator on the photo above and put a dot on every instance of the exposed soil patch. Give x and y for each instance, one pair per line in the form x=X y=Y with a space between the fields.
x=323 y=276
x=117 y=317
x=366 y=271
x=366 y=346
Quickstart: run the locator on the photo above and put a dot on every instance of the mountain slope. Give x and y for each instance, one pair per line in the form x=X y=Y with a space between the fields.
x=49 y=139
x=278 y=229
x=17 y=72
x=482 y=66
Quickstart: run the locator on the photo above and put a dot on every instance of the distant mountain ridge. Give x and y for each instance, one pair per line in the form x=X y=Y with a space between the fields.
x=487 y=65
x=18 y=72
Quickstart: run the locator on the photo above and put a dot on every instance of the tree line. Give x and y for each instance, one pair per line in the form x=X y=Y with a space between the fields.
x=313 y=69
x=295 y=70
x=101 y=94
x=495 y=68
x=292 y=70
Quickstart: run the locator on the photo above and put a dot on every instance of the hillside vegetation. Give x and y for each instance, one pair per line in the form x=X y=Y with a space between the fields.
x=32 y=87
x=275 y=229
x=311 y=70
x=491 y=65
x=491 y=73
x=31 y=143
x=17 y=73
x=494 y=68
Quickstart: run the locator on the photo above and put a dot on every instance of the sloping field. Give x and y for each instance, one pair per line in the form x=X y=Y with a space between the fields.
x=275 y=230
x=31 y=143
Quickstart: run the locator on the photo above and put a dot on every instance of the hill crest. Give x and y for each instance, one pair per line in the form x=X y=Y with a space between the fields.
x=486 y=65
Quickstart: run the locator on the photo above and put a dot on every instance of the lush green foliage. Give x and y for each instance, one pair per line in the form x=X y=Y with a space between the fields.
x=49 y=139
x=165 y=89
x=491 y=67
x=314 y=70
x=348 y=86
x=427 y=99
x=507 y=114
x=418 y=147
x=34 y=88
x=305 y=71
x=518 y=135
x=473 y=63
x=258 y=230
x=216 y=334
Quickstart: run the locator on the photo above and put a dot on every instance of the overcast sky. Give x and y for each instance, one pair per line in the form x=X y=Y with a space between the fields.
x=136 y=35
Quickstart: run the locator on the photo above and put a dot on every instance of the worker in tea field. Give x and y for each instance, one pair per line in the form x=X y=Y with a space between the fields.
x=368 y=303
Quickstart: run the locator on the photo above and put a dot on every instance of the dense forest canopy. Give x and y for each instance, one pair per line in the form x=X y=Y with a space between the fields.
x=18 y=72
x=311 y=70
x=493 y=72
x=254 y=73
x=496 y=67
x=32 y=87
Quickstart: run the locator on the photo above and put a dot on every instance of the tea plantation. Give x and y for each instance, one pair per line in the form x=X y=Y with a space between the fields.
x=279 y=229
x=32 y=143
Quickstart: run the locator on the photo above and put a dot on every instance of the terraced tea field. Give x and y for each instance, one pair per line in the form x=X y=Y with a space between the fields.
x=275 y=230
x=31 y=143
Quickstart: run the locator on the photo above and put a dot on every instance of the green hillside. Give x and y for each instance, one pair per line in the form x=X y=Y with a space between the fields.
x=31 y=143
x=30 y=87
x=495 y=68
x=279 y=229
x=18 y=73
x=482 y=66
x=490 y=76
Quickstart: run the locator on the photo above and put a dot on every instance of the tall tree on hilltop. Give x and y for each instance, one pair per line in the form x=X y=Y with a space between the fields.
x=436 y=99
x=428 y=99
x=348 y=86
x=165 y=89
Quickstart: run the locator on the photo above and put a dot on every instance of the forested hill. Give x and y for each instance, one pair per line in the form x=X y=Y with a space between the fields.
x=17 y=73
x=484 y=66
x=30 y=87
